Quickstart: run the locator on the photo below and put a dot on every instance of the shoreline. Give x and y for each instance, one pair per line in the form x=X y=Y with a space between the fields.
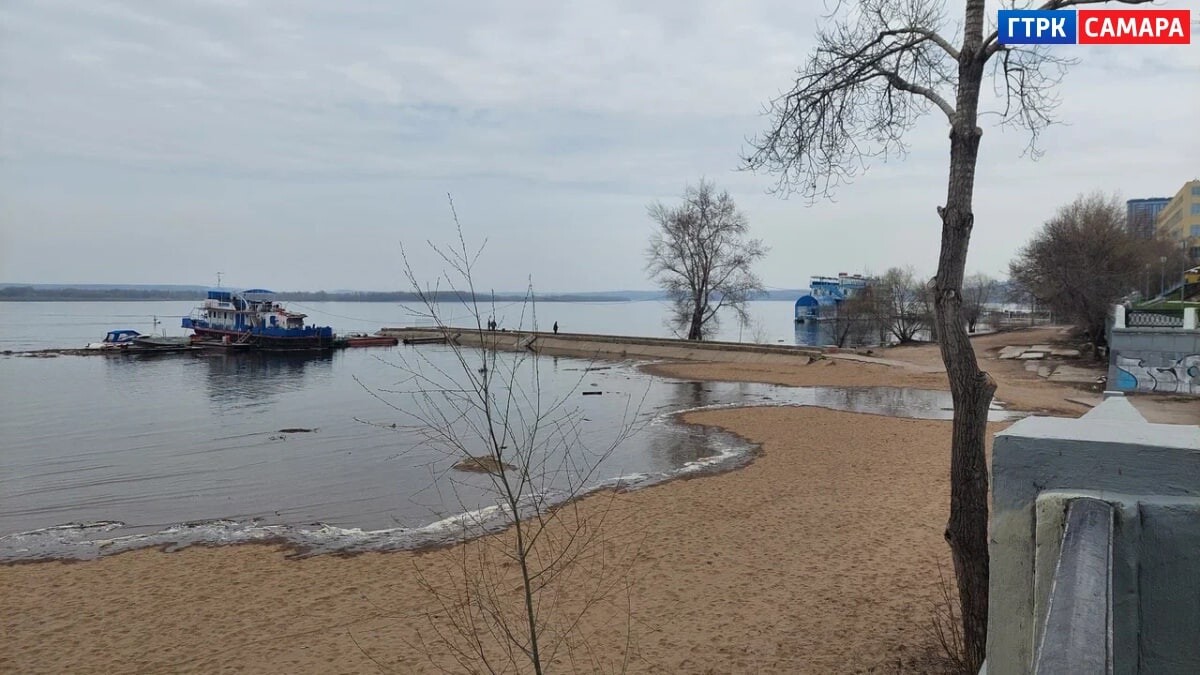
x=819 y=554
x=305 y=540
x=690 y=573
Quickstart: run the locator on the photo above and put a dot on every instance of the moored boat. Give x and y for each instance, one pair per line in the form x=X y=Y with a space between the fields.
x=161 y=343
x=363 y=340
x=253 y=319
x=122 y=338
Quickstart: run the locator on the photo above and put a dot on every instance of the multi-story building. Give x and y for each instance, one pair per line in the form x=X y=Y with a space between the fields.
x=1179 y=221
x=1140 y=215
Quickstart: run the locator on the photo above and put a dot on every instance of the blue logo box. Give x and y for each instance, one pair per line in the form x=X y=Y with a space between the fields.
x=1037 y=27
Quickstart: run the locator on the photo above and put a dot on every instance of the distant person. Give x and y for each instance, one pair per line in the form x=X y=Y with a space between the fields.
x=556 y=328
x=491 y=323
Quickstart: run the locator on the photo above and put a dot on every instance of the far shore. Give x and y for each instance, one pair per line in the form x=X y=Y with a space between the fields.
x=823 y=555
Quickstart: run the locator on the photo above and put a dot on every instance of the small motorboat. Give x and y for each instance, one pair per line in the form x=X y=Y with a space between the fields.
x=162 y=343
x=116 y=339
x=364 y=340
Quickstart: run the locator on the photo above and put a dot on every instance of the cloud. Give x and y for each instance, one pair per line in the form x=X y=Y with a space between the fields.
x=331 y=131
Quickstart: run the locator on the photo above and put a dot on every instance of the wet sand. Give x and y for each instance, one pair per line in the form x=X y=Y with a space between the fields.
x=821 y=556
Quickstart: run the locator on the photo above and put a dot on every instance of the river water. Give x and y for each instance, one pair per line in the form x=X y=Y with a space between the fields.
x=99 y=454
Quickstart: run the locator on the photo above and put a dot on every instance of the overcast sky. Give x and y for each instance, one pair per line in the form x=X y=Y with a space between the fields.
x=295 y=145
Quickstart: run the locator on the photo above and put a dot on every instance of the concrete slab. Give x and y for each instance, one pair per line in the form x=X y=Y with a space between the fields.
x=1075 y=374
x=1045 y=371
x=1033 y=355
x=1066 y=353
x=1042 y=348
x=1012 y=352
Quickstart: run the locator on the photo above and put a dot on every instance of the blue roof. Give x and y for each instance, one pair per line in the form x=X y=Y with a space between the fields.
x=817 y=300
x=227 y=289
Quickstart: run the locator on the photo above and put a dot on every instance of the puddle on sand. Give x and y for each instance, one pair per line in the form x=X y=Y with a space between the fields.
x=906 y=402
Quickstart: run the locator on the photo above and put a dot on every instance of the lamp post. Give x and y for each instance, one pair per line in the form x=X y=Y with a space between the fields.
x=1146 y=282
x=1162 y=274
x=1183 y=263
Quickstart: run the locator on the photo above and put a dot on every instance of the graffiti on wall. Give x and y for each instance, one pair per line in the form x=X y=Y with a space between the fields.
x=1183 y=377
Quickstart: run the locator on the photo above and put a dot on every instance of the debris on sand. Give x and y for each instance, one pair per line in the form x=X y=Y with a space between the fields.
x=485 y=464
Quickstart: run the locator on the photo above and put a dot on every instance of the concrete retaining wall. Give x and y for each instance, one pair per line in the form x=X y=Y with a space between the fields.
x=1151 y=474
x=1160 y=360
x=611 y=346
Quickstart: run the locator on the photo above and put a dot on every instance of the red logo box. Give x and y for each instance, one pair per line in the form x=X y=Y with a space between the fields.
x=1135 y=27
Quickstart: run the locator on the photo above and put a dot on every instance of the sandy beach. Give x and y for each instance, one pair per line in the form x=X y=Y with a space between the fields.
x=820 y=556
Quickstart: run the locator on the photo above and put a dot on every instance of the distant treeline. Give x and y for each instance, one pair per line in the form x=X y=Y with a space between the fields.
x=34 y=294
x=18 y=293
x=95 y=294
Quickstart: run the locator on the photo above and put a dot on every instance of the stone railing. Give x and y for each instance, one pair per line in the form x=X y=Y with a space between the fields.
x=1143 y=319
x=1140 y=318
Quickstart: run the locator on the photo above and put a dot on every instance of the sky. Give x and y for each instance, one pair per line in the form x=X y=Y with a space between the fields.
x=300 y=145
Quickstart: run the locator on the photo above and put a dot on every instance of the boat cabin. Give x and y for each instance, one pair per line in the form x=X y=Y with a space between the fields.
x=248 y=310
x=115 y=339
x=121 y=336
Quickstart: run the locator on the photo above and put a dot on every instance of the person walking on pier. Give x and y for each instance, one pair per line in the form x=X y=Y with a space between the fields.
x=556 y=328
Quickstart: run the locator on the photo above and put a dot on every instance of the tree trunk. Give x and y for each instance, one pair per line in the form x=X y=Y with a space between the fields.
x=696 y=328
x=970 y=388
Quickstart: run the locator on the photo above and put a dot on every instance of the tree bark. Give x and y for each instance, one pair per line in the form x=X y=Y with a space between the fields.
x=970 y=388
x=696 y=329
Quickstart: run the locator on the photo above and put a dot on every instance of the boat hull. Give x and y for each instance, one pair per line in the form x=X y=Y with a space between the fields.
x=372 y=341
x=259 y=341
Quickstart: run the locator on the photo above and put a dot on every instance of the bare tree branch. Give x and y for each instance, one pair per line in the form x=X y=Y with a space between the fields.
x=484 y=408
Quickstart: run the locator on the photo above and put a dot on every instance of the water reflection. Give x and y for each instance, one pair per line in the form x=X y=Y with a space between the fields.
x=862 y=334
x=677 y=445
x=815 y=333
x=891 y=401
x=824 y=333
x=258 y=378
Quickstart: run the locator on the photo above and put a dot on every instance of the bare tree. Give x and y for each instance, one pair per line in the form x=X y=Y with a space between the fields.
x=878 y=66
x=701 y=257
x=856 y=317
x=1083 y=260
x=978 y=291
x=900 y=304
x=520 y=601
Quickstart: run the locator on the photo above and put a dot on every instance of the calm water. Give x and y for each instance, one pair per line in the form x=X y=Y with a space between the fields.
x=103 y=453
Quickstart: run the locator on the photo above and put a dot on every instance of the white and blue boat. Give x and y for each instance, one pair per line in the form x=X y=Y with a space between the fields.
x=826 y=294
x=253 y=319
x=122 y=338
